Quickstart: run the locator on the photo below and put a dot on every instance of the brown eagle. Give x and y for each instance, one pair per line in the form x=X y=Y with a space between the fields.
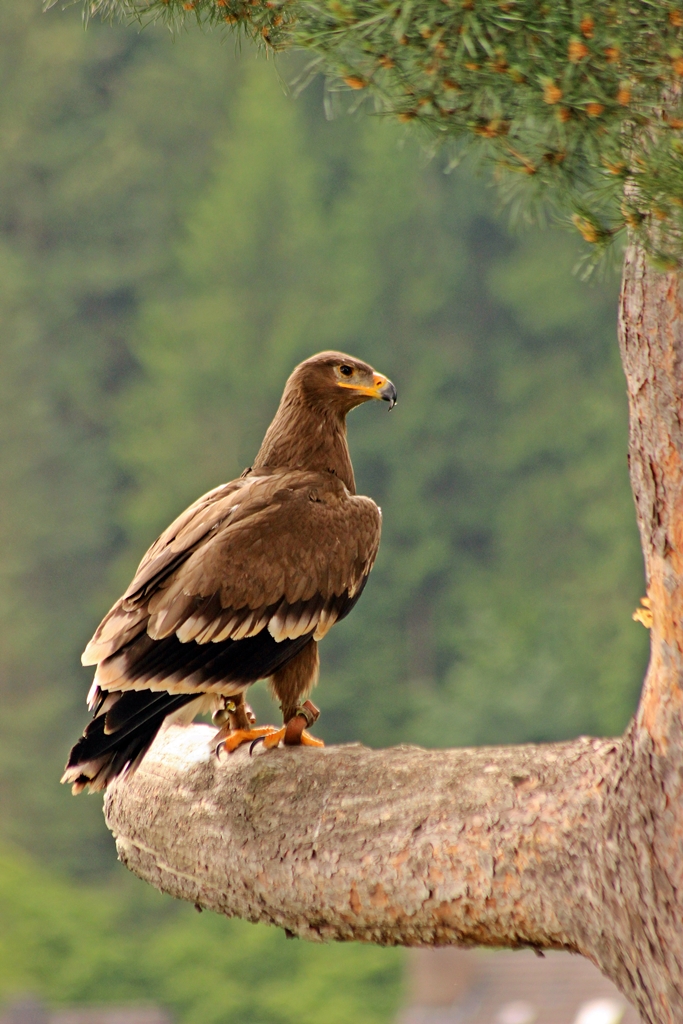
x=240 y=587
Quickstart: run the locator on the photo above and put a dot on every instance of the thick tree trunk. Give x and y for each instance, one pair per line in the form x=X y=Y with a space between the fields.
x=574 y=846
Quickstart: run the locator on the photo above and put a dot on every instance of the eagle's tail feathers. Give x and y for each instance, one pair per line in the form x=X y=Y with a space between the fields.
x=115 y=741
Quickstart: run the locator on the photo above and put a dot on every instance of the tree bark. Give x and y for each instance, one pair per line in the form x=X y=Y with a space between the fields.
x=575 y=846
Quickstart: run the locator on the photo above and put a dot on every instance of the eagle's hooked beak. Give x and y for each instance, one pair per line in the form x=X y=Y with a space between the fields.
x=382 y=388
x=387 y=392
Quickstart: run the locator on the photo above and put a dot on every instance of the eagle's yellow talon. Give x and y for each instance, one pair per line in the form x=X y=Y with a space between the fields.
x=273 y=739
x=310 y=741
x=268 y=734
x=240 y=736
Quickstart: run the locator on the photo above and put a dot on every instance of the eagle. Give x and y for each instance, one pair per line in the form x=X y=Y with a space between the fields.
x=241 y=586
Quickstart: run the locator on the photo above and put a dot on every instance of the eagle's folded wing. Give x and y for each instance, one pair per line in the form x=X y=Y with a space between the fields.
x=288 y=552
x=130 y=614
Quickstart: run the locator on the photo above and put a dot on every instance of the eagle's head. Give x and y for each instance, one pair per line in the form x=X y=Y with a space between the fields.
x=334 y=379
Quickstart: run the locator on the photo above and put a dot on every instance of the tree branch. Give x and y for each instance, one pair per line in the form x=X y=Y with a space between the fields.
x=494 y=846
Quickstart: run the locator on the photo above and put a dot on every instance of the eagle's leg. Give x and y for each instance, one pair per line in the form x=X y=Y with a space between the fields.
x=293 y=733
x=291 y=685
x=239 y=714
x=237 y=724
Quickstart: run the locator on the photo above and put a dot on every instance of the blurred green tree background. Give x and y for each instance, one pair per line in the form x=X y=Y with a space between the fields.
x=175 y=233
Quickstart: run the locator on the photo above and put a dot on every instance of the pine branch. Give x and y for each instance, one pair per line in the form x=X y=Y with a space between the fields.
x=565 y=98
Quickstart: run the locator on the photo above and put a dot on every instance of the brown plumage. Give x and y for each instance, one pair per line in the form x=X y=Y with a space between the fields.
x=241 y=585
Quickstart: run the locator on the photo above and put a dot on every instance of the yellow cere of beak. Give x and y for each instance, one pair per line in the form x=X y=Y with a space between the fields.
x=374 y=392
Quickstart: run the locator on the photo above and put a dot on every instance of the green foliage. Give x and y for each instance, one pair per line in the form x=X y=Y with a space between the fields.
x=69 y=944
x=579 y=101
x=218 y=972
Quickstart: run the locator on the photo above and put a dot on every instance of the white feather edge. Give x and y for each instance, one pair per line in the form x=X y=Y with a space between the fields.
x=168 y=684
x=280 y=626
x=327 y=619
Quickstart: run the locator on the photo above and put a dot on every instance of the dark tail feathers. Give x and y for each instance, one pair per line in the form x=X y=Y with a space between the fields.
x=132 y=720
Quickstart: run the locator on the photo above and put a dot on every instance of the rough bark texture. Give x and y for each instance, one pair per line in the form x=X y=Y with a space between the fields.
x=574 y=846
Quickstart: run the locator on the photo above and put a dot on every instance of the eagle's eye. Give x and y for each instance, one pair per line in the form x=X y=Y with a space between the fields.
x=345 y=370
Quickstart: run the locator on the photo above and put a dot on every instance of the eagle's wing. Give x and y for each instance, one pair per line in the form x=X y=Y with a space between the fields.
x=130 y=614
x=287 y=553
